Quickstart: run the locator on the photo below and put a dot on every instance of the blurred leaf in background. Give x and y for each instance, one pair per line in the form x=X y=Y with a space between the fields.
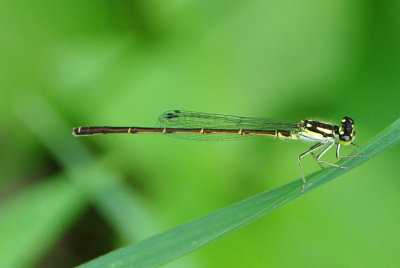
x=65 y=201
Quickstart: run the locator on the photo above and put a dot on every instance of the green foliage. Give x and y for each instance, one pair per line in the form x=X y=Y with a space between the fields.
x=32 y=222
x=94 y=63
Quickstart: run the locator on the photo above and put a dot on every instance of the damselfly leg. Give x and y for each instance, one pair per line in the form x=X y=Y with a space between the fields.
x=318 y=157
x=346 y=156
x=312 y=149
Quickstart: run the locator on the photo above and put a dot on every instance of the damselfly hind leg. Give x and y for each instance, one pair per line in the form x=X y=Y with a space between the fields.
x=311 y=150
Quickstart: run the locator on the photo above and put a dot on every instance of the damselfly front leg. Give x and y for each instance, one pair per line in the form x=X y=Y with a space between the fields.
x=346 y=156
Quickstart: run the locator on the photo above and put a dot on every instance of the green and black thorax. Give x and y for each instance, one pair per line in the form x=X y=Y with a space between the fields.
x=311 y=130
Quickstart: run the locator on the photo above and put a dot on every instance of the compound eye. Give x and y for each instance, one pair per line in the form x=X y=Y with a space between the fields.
x=347 y=121
x=345 y=138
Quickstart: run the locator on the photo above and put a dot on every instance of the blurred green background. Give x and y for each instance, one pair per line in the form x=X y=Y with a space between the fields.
x=66 y=200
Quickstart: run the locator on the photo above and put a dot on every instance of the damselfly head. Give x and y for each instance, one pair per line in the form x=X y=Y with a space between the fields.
x=346 y=131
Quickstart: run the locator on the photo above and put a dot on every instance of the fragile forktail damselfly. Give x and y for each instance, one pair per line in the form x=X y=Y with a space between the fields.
x=206 y=126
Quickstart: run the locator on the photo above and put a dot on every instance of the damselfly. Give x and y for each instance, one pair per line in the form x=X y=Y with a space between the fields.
x=206 y=126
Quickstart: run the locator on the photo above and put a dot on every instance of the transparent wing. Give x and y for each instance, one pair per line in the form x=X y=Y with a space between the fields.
x=190 y=120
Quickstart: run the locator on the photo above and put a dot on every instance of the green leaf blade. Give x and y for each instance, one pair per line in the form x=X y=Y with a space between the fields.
x=33 y=220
